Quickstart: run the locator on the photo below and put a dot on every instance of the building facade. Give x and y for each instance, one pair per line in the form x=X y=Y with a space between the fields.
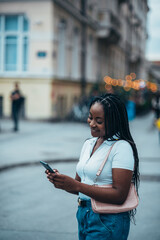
x=58 y=49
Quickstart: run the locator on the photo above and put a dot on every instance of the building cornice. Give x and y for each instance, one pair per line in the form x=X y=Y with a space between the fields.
x=5 y=1
x=68 y=7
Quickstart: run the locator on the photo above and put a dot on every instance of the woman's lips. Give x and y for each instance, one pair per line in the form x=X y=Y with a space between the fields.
x=94 y=130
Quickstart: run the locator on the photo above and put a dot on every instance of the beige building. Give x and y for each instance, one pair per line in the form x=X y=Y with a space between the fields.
x=58 y=49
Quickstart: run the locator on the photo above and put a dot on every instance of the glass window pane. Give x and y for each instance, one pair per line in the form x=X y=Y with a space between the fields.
x=0 y=54
x=25 y=53
x=0 y=24
x=25 y=24
x=11 y=23
x=11 y=53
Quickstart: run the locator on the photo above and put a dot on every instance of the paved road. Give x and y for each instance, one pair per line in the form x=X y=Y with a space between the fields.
x=32 y=209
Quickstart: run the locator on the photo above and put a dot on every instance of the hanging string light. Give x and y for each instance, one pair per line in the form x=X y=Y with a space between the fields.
x=131 y=82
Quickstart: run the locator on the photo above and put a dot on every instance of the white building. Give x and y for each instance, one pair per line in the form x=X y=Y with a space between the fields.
x=57 y=48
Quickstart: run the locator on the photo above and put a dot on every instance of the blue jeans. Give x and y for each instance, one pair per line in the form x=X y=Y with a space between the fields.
x=94 y=226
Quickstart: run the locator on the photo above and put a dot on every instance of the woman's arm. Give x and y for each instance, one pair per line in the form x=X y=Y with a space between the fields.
x=77 y=178
x=116 y=195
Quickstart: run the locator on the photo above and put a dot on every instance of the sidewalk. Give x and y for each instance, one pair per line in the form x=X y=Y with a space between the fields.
x=41 y=141
x=63 y=141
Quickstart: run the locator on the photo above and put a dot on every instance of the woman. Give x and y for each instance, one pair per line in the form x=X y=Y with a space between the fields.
x=109 y=124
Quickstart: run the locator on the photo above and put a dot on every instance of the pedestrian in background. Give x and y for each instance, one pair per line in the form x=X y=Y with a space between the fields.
x=156 y=105
x=17 y=100
x=109 y=125
x=156 y=109
x=131 y=108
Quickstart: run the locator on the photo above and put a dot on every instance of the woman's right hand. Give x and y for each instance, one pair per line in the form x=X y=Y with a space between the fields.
x=51 y=176
x=55 y=170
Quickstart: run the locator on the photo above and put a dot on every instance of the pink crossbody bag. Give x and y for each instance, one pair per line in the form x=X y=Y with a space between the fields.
x=130 y=203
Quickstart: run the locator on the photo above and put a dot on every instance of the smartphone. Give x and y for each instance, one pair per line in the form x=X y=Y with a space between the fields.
x=46 y=165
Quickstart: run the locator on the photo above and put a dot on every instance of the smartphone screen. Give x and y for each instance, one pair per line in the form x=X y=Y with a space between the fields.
x=46 y=165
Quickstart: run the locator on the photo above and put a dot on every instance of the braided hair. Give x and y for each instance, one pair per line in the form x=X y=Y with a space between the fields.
x=117 y=126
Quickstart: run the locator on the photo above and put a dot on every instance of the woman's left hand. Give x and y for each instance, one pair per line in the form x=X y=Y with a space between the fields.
x=63 y=181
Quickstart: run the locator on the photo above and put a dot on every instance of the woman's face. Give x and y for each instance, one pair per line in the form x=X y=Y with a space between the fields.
x=96 y=120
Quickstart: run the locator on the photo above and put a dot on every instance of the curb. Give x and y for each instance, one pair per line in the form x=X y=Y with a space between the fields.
x=143 y=177
x=34 y=163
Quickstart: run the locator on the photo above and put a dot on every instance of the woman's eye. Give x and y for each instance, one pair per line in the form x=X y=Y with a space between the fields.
x=90 y=117
x=99 y=122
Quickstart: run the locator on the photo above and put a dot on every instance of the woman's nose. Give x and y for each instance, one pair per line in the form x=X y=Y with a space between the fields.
x=92 y=123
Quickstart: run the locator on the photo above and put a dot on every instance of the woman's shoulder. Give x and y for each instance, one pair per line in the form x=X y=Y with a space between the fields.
x=122 y=145
x=122 y=155
x=90 y=140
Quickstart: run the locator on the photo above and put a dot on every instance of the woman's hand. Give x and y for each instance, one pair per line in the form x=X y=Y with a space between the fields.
x=62 y=181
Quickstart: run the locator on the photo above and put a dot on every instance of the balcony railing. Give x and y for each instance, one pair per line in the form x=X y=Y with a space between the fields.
x=109 y=26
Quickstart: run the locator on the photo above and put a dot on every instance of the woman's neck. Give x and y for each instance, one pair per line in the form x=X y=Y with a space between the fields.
x=100 y=140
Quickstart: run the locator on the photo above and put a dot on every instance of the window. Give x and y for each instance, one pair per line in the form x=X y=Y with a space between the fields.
x=14 y=43
x=11 y=53
x=0 y=54
x=11 y=23
x=75 y=54
x=0 y=45
x=25 y=53
x=62 y=27
x=25 y=25
x=90 y=57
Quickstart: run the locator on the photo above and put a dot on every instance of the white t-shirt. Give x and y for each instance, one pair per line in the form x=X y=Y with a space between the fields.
x=121 y=156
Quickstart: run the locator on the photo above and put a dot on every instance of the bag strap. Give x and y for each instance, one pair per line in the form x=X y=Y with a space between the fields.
x=104 y=162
